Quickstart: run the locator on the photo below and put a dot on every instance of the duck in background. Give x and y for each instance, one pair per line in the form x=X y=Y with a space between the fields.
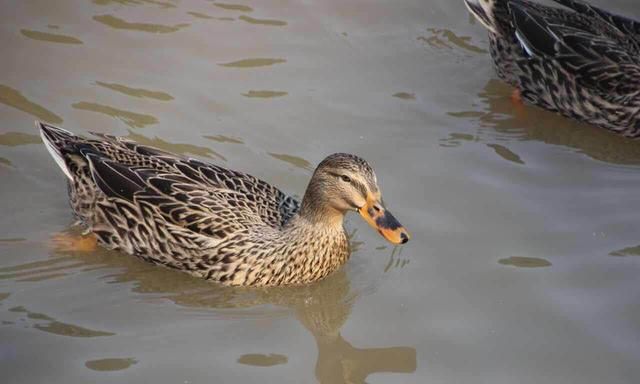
x=578 y=60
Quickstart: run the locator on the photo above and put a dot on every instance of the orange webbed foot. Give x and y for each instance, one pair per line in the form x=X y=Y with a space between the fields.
x=518 y=104
x=66 y=242
x=516 y=97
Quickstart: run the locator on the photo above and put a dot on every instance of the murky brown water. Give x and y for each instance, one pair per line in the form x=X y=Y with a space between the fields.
x=523 y=266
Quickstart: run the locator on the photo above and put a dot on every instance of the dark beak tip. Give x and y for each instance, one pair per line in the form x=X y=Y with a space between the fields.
x=404 y=238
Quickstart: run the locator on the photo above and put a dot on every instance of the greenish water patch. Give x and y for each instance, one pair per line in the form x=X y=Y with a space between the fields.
x=13 y=240
x=132 y=119
x=404 y=96
x=118 y=2
x=13 y=98
x=234 y=7
x=264 y=94
x=162 y=4
x=57 y=327
x=42 y=277
x=50 y=37
x=525 y=262
x=224 y=139
x=293 y=160
x=111 y=364
x=39 y=316
x=456 y=139
x=14 y=139
x=506 y=153
x=200 y=15
x=630 y=251
x=252 y=63
x=117 y=23
x=462 y=136
x=251 y=20
x=70 y=330
x=261 y=360
x=445 y=38
x=467 y=114
x=136 y=92
x=182 y=149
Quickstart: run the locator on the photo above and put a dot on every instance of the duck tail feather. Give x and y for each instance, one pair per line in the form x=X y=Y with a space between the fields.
x=54 y=139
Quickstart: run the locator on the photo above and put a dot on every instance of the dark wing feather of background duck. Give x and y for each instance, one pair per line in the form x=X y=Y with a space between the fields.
x=624 y=24
x=588 y=50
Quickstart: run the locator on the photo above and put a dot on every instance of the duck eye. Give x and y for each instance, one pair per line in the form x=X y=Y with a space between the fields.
x=345 y=178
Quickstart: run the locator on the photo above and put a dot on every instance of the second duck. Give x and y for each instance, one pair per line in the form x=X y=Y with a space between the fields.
x=577 y=60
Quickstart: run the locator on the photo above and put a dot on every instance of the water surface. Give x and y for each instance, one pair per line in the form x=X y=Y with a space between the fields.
x=523 y=262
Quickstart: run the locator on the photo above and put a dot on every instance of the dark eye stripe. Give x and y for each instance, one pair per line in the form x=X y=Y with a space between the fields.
x=359 y=186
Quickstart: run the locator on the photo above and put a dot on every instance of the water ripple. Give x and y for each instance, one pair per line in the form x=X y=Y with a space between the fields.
x=110 y=364
x=13 y=98
x=264 y=94
x=271 y=22
x=136 y=92
x=234 y=7
x=132 y=119
x=117 y=23
x=50 y=37
x=251 y=63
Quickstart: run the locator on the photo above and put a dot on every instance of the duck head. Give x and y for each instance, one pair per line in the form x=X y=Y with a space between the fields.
x=343 y=183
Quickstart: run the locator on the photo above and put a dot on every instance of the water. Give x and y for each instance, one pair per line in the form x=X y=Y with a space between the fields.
x=525 y=253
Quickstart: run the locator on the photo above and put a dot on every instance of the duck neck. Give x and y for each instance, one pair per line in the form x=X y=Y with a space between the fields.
x=317 y=210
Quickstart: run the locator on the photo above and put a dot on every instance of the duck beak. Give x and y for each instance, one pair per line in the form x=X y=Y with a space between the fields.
x=374 y=213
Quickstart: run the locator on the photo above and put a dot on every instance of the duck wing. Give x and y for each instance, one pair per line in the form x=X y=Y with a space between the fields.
x=625 y=25
x=594 y=53
x=137 y=195
x=200 y=197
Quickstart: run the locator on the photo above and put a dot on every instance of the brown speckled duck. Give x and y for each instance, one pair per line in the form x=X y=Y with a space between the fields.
x=213 y=222
x=577 y=59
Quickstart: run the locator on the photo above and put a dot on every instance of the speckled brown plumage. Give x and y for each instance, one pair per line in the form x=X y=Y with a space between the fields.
x=578 y=60
x=206 y=220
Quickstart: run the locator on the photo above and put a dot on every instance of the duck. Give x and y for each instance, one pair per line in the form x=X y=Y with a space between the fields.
x=575 y=59
x=213 y=222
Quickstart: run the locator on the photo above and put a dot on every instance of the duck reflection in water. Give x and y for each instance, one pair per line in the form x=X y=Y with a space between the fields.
x=497 y=119
x=339 y=361
x=322 y=308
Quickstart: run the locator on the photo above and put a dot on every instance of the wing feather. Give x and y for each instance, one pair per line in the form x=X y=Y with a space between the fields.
x=597 y=57
x=203 y=198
